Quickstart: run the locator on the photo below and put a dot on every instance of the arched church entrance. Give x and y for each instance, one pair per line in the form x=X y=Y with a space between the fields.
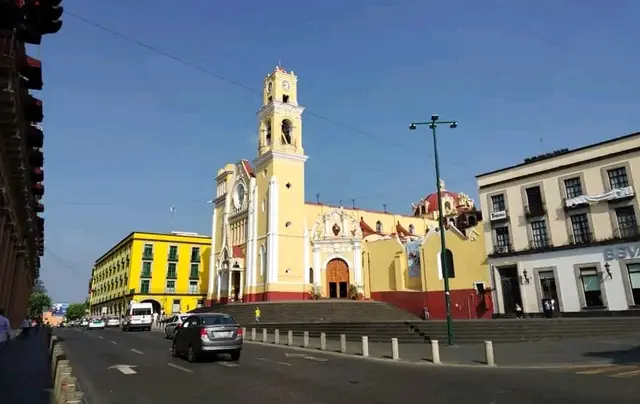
x=157 y=307
x=338 y=279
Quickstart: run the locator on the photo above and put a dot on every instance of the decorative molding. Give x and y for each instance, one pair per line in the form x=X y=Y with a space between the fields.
x=278 y=155
x=277 y=106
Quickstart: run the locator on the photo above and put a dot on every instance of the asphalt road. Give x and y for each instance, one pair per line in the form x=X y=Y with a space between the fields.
x=269 y=374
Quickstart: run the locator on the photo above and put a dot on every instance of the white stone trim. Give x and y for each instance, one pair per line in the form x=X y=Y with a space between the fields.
x=212 y=254
x=278 y=155
x=272 y=231
x=273 y=106
x=306 y=259
x=250 y=270
x=357 y=260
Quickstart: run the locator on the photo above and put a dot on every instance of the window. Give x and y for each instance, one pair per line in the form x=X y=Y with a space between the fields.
x=195 y=271
x=627 y=224
x=195 y=254
x=173 y=252
x=451 y=269
x=171 y=286
x=534 y=198
x=539 y=234
x=618 y=178
x=580 y=228
x=498 y=204
x=147 y=252
x=171 y=270
x=379 y=227
x=311 y=280
x=146 y=269
x=634 y=282
x=590 y=281
x=502 y=237
x=144 y=285
x=217 y=320
x=193 y=287
x=412 y=229
x=573 y=187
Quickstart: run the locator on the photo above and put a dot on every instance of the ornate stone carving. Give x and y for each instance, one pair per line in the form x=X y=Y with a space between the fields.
x=336 y=224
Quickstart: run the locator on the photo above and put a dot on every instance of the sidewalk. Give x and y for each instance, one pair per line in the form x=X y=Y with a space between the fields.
x=25 y=376
x=553 y=353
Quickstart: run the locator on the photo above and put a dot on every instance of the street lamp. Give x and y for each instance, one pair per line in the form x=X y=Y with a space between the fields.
x=433 y=124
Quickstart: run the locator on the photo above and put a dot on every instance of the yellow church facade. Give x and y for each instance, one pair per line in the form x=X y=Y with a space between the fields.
x=270 y=244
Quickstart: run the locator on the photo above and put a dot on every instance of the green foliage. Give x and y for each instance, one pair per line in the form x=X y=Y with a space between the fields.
x=76 y=311
x=38 y=303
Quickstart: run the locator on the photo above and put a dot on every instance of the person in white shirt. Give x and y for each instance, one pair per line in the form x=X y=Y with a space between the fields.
x=26 y=325
x=5 y=329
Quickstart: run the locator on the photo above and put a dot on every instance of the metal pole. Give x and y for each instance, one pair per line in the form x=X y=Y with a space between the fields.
x=443 y=242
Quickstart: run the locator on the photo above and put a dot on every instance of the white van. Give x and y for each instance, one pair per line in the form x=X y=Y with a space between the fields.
x=139 y=316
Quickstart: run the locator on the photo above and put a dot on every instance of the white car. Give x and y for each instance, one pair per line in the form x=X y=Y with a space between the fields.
x=84 y=323
x=97 y=324
x=113 y=322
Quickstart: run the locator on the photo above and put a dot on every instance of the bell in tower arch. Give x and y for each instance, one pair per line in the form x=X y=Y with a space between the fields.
x=287 y=131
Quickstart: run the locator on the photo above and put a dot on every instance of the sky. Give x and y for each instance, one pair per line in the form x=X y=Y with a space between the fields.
x=145 y=100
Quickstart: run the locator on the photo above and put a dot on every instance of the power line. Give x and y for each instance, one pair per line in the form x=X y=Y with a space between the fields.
x=218 y=76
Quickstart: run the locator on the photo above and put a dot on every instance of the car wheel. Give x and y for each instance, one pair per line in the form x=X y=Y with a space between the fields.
x=235 y=355
x=174 y=350
x=191 y=355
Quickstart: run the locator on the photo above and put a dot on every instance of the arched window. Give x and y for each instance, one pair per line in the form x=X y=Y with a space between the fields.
x=268 y=133
x=379 y=227
x=287 y=128
x=451 y=270
x=412 y=229
x=447 y=206
x=311 y=280
x=472 y=221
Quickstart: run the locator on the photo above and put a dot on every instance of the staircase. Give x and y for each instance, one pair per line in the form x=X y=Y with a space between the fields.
x=515 y=330
x=313 y=311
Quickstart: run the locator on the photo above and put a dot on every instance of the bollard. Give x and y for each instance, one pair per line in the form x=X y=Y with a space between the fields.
x=435 y=351
x=68 y=389
x=323 y=341
x=305 y=339
x=343 y=343
x=264 y=335
x=290 y=338
x=253 y=334
x=244 y=333
x=488 y=353
x=395 y=351
x=276 y=336
x=365 y=347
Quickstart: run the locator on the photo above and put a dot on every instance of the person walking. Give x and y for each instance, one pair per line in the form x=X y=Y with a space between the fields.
x=258 y=313
x=5 y=329
x=26 y=326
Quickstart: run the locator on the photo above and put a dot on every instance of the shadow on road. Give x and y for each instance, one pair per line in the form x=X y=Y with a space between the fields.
x=624 y=356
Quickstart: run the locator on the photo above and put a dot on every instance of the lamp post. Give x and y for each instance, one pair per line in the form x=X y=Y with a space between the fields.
x=433 y=124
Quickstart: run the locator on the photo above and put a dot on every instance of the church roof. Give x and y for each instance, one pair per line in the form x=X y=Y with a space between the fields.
x=458 y=202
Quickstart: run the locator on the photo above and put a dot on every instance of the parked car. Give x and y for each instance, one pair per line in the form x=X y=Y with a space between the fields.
x=207 y=333
x=97 y=324
x=84 y=322
x=113 y=322
x=172 y=322
x=139 y=316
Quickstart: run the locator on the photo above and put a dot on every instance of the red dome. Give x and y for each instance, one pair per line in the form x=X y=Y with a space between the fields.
x=452 y=203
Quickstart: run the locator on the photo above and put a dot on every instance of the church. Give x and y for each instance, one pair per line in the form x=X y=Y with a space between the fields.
x=269 y=243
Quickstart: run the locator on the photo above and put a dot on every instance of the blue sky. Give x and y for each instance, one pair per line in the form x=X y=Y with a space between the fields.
x=130 y=132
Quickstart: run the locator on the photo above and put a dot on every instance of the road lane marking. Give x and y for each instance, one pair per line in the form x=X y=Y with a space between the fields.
x=313 y=358
x=136 y=351
x=630 y=373
x=228 y=364
x=100 y=336
x=114 y=343
x=284 y=363
x=270 y=361
x=180 y=368
x=604 y=369
x=124 y=369
x=304 y=356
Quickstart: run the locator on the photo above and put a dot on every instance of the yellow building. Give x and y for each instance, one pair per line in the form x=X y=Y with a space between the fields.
x=563 y=226
x=270 y=244
x=165 y=269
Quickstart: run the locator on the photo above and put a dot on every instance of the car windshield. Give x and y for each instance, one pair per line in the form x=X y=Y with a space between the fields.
x=218 y=320
x=97 y=320
x=141 y=312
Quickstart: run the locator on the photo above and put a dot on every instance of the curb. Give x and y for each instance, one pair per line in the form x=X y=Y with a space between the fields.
x=425 y=363
x=65 y=389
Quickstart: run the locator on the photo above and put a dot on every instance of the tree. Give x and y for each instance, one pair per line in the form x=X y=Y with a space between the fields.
x=76 y=311
x=38 y=303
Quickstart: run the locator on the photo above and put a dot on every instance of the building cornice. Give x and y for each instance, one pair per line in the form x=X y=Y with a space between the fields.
x=273 y=155
x=278 y=106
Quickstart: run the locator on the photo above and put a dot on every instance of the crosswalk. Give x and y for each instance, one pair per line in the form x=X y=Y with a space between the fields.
x=621 y=371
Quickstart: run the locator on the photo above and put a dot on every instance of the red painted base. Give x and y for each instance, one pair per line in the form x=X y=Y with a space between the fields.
x=465 y=304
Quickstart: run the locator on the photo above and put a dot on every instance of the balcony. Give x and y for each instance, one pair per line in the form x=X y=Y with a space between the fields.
x=619 y=194
x=502 y=249
x=532 y=211
x=498 y=216
x=576 y=202
x=194 y=275
x=582 y=238
x=172 y=275
x=145 y=274
x=147 y=255
x=172 y=258
x=540 y=243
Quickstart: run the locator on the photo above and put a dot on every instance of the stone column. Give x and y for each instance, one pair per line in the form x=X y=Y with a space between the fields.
x=241 y=291
x=6 y=263
x=19 y=291
x=4 y=269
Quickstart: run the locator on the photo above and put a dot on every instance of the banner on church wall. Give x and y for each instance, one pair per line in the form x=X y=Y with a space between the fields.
x=413 y=257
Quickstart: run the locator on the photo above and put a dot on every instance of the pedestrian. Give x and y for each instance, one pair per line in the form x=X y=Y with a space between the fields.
x=518 y=311
x=258 y=313
x=26 y=326
x=5 y=329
